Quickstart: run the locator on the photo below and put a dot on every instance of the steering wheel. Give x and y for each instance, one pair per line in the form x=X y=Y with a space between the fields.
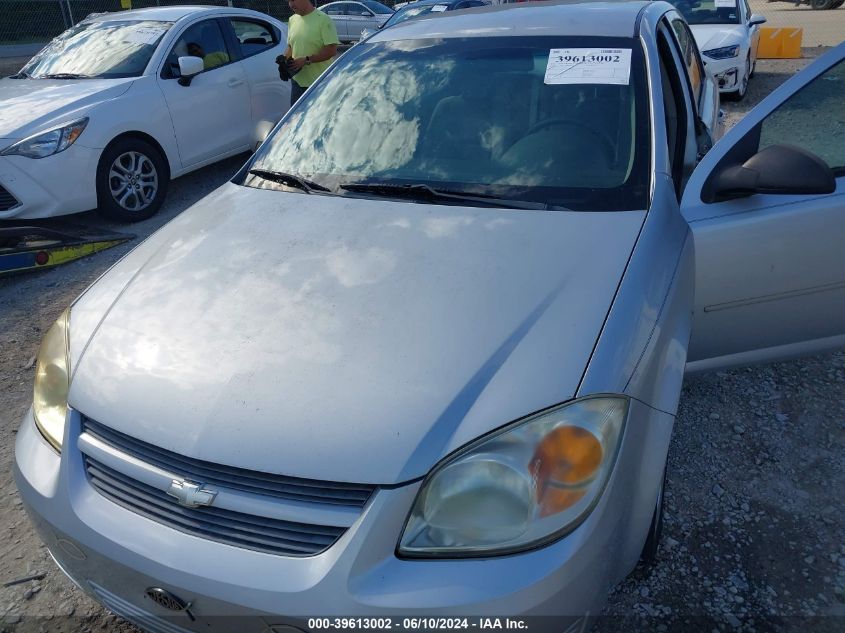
x=603 y=139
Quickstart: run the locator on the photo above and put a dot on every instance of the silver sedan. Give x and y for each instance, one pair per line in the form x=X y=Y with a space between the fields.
x=423 y=355
x=352 y=18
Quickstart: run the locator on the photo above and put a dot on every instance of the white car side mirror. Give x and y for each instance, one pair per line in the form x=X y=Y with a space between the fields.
x=756 y=19
x=188 y=68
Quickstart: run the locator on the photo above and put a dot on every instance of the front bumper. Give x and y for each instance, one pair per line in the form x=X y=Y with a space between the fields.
x=56 y=185
x=727 y=72
x=116 y=555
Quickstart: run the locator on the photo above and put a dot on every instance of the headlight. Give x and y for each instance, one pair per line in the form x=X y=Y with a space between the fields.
x=723 y=53
x=526 y=485
x=52 y=372
x=48 y=143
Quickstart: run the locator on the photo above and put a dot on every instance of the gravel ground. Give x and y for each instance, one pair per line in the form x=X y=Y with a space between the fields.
x=754 y=535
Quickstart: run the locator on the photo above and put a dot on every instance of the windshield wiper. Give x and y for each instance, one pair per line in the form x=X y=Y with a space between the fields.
x=420 y=191
x=291 y=180
x=65 y=76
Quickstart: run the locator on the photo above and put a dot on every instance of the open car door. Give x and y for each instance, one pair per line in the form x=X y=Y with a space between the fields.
x=766 y=207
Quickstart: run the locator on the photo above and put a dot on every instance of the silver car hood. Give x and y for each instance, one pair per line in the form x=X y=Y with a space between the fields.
x=343 y=339
x=32 y=105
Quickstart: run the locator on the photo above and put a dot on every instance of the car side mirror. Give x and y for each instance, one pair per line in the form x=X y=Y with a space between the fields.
x=757 y=19
x=778 y=169
x=367 y=14
x=188 y=68
x=703 y=139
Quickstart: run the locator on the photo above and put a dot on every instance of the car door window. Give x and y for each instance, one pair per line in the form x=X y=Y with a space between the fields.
x=335 y=9
x=254 y=36
x=358 y=10
x=813 y=119
x=674 y=106
x=203 y=40
x=690 y=57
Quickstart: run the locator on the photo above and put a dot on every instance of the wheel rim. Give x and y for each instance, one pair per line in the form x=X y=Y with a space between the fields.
x=133 y=181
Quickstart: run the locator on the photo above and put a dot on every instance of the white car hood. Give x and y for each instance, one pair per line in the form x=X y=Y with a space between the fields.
x=32 y=105
x=710 y=36
x=343 y=339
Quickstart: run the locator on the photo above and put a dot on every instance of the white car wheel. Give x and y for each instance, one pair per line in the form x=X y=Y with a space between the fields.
x=132 y=180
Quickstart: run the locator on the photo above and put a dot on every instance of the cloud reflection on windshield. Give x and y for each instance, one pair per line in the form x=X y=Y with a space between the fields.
x=100 y=48
x=359 y=120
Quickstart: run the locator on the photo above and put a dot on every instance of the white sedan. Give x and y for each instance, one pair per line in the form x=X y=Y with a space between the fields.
x=727 y=34
x=115 y=107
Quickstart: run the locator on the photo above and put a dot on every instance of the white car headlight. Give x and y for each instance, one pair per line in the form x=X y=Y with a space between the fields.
x=726 y=52
x=48 y=143
x=52 y=381
x=526 y=485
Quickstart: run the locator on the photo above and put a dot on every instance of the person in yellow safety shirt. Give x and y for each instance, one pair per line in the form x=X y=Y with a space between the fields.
x=211 y=60
x=312 y=44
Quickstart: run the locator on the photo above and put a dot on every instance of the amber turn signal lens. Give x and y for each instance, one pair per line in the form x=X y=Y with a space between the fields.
x=565 y=461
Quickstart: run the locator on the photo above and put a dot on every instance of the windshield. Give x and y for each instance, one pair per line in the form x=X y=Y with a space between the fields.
x=491 y=116
x=377 y=7
x=414 y=11
x=120 y=48
x=708 y=11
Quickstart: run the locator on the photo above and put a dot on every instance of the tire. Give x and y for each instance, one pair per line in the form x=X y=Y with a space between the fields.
x=822 y=5
x=837 y=4
x=739 y=93
x=655 y=530
x=132 y=180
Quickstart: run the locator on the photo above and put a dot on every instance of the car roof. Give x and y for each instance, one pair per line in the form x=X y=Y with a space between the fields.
x=164 y=14
x=561 y=17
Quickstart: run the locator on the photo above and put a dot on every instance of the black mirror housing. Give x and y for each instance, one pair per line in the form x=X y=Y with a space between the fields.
x=777 y=169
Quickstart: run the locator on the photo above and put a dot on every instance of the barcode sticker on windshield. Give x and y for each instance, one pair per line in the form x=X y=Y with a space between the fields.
x=589 y=66
x=726 y=4
x=143 y=35
x=439 y=8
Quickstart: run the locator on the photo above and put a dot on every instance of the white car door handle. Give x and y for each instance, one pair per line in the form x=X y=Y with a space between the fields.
x=234 y=83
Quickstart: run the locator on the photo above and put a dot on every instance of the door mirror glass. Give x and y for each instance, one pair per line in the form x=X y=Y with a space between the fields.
x=777 y=169
x=189 y=66
x=756 y=19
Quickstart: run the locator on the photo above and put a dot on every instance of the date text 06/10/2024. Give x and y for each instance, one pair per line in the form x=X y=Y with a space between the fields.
x=416 y=624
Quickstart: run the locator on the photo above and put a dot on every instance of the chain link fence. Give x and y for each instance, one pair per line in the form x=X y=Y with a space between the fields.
x=38 y=21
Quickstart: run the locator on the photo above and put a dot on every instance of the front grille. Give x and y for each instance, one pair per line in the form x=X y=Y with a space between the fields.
x=279 y=486
x=262 y=534
x=7 y=200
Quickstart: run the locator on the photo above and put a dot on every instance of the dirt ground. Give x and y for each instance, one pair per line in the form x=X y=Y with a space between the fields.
x=754 y=534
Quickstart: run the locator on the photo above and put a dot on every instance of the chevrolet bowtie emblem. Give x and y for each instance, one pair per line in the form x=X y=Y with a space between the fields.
x=191 y=495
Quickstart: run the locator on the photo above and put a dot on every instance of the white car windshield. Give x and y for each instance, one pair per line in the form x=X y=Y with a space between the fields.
x=414 y=11
x=708 y=11
x=116 y=48
x=476 y=115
